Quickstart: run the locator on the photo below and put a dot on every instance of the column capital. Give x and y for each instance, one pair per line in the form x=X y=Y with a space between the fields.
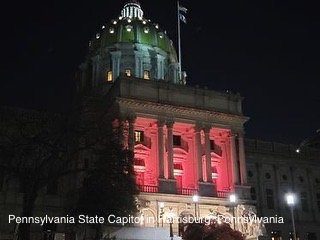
x=197 y=128
x=131 y=117
x=241 y=134
x=115 y=53
x=169 y=123
x=161 y=121
x=207 y=128
x=232 y=135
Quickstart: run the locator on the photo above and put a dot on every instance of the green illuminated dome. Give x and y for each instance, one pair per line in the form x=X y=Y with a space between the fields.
x=130 y=45
x=134 y=30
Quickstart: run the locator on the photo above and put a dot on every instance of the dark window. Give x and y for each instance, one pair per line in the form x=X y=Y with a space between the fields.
x=212 y=144
x=138 y=136
x=270 y=199
x=250 y=174
x=176 y=140
x=311 y=236
x=301 y=179
x=318 y=201
x=253 y=193
x=284 y=177
x=178 y=166
x=139 y=162
x=317 y=180
x=304 y=202
x=267 y=175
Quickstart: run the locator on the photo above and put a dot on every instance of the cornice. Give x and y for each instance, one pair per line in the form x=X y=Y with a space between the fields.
x=205 y=116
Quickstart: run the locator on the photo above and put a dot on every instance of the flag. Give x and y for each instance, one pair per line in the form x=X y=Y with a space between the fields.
x=181 y=11
x=183 y=18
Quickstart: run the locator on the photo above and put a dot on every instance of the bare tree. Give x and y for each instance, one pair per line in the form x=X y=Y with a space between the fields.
x=37 y=147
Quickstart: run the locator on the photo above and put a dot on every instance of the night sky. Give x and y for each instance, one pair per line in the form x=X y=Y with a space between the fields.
x=269 y=51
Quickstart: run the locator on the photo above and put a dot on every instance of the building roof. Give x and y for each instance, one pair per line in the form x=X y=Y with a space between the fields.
x=312 y=141
x=132 y=27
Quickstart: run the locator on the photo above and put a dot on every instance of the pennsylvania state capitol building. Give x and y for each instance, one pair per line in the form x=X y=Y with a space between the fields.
x=190 y=152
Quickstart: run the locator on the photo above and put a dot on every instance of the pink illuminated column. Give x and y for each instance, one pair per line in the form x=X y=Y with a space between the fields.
x=198 y=149
x=131 y=140
x=242 y=159
x=208 y=154
x=235 y=172
x=160 y=148
x=170 y=149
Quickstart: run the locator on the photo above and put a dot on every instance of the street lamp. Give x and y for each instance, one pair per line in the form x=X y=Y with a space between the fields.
x=195 y=199
x=170 y=218
x=233 y=201
x=291 y=201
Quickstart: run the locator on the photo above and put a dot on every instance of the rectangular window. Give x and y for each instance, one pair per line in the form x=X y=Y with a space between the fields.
x=304 y=202
x=109 y=76
x=212 y=145
x=270 y=199
x=146 y=74
x=176 y=140
x=128 y=72
x=253 y=193
x=138 y=136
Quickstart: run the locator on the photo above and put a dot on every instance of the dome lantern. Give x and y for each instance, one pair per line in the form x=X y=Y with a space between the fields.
x=132 y=10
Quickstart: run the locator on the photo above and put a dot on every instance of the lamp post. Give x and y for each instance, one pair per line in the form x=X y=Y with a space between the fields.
x=291 y=200
x=233 y=201
x=170 y=218
x=195 y=199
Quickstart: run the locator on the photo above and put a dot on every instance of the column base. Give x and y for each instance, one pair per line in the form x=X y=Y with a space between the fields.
x=243 y=191
x=207 y=189
x=167 y=186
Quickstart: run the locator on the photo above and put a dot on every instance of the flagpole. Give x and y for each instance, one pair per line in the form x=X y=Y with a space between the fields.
x=179 y=41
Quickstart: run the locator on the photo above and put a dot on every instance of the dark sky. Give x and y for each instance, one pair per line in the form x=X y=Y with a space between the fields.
x=269 y=51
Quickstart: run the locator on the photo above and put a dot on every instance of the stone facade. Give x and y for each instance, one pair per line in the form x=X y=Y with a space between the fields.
x=275 y=169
